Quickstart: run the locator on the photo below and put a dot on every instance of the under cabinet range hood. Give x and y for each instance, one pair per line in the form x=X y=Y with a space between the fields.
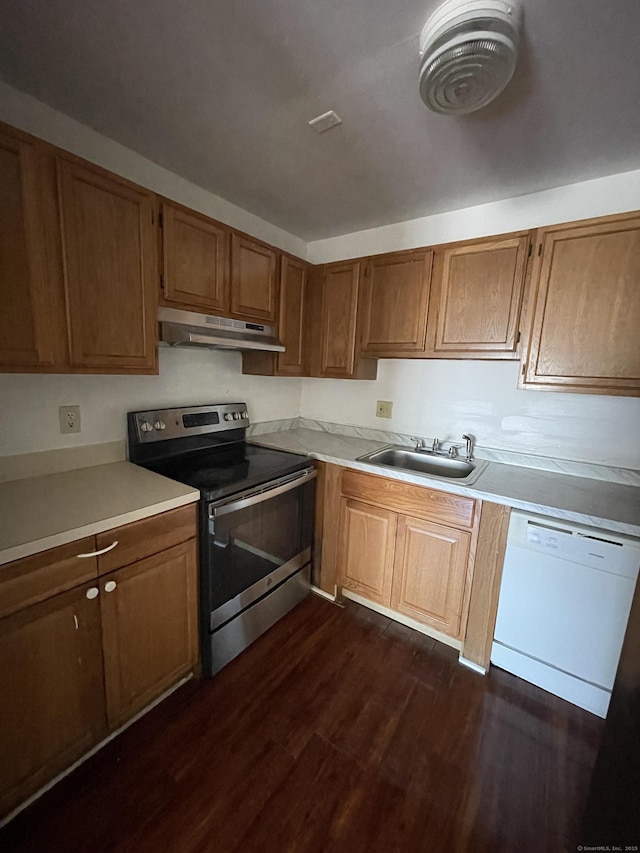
x=188 y=329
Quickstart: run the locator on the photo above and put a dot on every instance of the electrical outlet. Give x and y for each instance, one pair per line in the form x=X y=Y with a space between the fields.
x=69 y=419
x=384 y=408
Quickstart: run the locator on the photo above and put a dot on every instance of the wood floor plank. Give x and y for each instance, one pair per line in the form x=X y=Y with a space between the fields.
x=338 y=731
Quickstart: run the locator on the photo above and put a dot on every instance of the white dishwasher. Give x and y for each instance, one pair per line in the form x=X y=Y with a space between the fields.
x=564 y=604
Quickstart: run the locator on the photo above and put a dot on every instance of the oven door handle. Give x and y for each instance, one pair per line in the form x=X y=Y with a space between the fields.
x=255 y=498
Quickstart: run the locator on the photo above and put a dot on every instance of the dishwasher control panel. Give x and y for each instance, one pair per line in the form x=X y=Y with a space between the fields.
x=594 y=549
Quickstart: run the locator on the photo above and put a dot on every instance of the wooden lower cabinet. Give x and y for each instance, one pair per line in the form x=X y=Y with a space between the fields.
x=78 y=662
x=429 y=573
x=367 y=543
x=409 y=548
x=52 y=707
x=149 y=628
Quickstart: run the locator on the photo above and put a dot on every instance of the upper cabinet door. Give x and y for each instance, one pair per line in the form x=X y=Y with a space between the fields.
x=293 y=293
x=32 y=330
x=395 y=299
x=195 y=260
x=110 y=268
x=339 y=319
x=476 y=299
x=253 y=280
x=585 y=309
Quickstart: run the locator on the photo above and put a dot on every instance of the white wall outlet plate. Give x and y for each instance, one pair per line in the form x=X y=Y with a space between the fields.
x=69 y=419
x=384 y=409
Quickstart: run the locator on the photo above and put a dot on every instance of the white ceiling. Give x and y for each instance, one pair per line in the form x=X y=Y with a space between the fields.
x=220 y=92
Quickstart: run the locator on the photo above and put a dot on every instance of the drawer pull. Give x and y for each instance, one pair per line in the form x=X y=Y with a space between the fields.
x=109 y=586
x=97 y=553
x=92 y=592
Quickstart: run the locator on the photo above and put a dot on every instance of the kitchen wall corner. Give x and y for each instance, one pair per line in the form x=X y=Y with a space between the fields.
x=448 y=398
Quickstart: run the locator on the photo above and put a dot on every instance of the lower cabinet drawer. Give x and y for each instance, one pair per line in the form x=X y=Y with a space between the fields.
x=406 y=498
x=36 y=578
x=146 y=537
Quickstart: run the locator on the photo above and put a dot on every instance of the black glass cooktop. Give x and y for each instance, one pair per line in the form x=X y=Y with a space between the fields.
x=229 y=469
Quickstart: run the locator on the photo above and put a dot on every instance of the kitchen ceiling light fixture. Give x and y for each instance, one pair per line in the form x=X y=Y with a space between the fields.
x=468 y=51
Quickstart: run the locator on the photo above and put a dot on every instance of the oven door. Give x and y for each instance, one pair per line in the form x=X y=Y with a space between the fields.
x=254 y=541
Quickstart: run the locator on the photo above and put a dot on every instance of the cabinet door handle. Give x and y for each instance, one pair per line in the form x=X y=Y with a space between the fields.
x=97 y=553
x=109 y=586
x=92 y=592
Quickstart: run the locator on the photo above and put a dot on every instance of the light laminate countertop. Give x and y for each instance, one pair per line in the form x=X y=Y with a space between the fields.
x=37 y=513
x=596 y=503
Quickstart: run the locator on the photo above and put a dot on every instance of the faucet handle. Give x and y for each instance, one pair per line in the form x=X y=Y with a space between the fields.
x=469 y=439
x=419 y=443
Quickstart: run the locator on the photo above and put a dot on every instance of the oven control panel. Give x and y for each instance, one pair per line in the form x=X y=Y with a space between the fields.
x=162 y=424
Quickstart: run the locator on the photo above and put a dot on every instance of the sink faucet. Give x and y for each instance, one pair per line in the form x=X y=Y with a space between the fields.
x=435 y=447
x=469 y=440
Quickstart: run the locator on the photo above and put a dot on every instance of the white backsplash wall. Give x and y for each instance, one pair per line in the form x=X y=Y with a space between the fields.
x=29 y=403
x=444 y=399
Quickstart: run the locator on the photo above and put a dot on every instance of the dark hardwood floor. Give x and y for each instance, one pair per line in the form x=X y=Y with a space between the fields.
x=338 y=730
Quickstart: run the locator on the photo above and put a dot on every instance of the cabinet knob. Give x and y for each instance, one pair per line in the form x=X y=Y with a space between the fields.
x=92 y=592
x=109 y=586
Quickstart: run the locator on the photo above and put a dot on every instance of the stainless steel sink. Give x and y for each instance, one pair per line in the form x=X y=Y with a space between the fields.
x=424 y=462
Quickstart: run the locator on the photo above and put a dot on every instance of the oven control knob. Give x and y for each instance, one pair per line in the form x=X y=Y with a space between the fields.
x=228 y=416
x=145 y=426
x=236 y=416
x=160 y=425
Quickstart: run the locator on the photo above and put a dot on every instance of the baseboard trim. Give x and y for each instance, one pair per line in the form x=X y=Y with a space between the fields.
x=481 y=670
x=403 y=620
x=317 y=591
x=92 y=751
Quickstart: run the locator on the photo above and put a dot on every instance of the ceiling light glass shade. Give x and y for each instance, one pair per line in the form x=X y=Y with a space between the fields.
x=468 y=53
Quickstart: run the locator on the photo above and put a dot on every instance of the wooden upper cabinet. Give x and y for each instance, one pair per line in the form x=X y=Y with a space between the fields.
x=430 y=572
x=366 y=549
x=293 y=295
x=335 y=339
x=110 y=269
x=32 y=317
x=395 y=299
x=585 y=308
x=253 y=280
x=195 y=250
x=476 y=299
x=339 y=318
x=294 y=275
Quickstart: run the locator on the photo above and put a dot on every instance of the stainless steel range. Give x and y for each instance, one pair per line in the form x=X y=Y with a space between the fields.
x=256 y=518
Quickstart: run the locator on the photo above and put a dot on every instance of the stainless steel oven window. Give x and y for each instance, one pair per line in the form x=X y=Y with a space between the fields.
x=259 y=534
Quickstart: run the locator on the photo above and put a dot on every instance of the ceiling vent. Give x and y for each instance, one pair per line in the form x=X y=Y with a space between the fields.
x=468 y=51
